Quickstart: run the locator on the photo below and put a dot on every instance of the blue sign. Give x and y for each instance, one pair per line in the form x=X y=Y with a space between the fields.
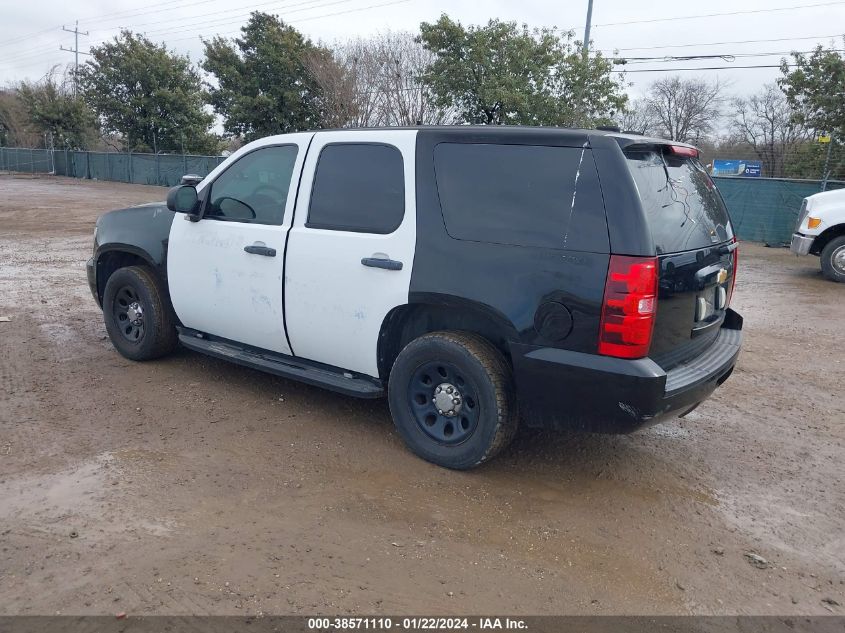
x=748 y=168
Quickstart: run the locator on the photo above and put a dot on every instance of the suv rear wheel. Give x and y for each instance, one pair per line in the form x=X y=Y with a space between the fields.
x=452 y=399
x=137 y=315
x=833 y=259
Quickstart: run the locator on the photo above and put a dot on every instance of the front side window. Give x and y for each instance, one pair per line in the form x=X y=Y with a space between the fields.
x=358 y=187
x=255 y=188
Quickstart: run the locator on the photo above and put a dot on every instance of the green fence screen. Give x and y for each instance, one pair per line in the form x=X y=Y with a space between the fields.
x=762 y=209
x=144 y=169
x=766 y=209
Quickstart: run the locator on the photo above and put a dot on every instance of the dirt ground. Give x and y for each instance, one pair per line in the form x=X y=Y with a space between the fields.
x=192 y=486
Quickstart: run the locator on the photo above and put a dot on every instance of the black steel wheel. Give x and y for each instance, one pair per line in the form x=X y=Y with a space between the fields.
x=444 y=402
x=129 y=314
x=452 y=399
x=137 y=313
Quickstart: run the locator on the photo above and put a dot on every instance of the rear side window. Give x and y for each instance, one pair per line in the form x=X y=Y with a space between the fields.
x=682 y=206
x=524 y=195
x=358 y=187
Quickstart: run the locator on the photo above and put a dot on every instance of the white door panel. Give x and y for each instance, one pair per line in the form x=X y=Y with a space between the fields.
x=220 y=289
x=334 y=305
x=217 y=287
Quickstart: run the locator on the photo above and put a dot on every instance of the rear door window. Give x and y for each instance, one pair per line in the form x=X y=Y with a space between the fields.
x=358 y=187
x=524 y=195
x=682 y=206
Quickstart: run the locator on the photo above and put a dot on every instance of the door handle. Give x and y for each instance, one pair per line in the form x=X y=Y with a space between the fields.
x=256 y=249
x=378 y=262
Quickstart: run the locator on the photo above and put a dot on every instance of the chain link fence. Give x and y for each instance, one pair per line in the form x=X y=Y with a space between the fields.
x=762 y=209
x=142 y=169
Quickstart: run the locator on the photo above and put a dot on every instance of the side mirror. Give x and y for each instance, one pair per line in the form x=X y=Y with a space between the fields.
x=184 y=199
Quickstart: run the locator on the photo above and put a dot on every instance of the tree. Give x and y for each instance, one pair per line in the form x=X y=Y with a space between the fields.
x=815 y=90
x=635 y=117
x=504 y=73
x=15 y=126
x=376 y=82
x=684 y=109
x=348 y=80
x=263 y=85
x=52 y=107
x=766 y=124
x=148 y=95
x=406 y=99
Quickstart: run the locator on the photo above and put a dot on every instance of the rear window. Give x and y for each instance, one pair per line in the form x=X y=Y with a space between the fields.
x=523 y=195
x=680 y=200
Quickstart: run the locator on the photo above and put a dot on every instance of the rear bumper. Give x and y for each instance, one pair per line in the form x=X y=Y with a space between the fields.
x=91 y=270
x=571 y=390
x=801 y=244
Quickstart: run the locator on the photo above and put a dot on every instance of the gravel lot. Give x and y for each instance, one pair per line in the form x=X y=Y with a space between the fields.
x=189 y=485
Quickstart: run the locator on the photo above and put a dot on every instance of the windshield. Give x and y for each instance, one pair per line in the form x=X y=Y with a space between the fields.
x=683 y=208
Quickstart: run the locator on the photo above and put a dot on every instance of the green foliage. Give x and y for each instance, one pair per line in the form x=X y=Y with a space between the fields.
x=503 y=73
x=52 y=107
x=147 y=95
x=815 y=89
x=13 y=119
x=262 y=84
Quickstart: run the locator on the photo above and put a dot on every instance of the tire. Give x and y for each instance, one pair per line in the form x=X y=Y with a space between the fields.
x=153 y=334
x=833 y=259
x=477 y=428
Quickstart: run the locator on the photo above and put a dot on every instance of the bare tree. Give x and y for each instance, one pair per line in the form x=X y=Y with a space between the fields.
x=764 y=122
x=636 y=118
x=375 y=82
x=406 y=100
x=684 y=109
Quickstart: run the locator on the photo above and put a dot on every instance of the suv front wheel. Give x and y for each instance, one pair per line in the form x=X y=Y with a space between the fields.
x=137 y=315
x=452 y=399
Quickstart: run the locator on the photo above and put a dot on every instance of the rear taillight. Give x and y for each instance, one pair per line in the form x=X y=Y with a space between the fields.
x=630 y=303
x=735 y=256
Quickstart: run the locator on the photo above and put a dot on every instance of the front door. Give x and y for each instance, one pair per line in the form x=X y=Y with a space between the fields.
x=351 y=248
x=226 y=272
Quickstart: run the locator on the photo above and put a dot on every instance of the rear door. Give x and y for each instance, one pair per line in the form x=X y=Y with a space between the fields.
x=694 y=242
x=351 y=248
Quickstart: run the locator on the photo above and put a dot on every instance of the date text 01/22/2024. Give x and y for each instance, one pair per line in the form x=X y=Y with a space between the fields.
x=415 y=624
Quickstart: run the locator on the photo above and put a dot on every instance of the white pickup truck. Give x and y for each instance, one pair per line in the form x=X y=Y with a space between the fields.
x=821 y=231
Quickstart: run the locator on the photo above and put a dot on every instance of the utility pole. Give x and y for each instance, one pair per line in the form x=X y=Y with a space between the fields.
x=75 y=50
x=587 y=27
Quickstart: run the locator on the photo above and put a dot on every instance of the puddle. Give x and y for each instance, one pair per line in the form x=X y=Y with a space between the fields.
x=81 y=496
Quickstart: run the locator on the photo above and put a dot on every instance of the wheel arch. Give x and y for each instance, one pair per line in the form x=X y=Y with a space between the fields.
x=434 y=313
x=112 y=257
x=837 y=230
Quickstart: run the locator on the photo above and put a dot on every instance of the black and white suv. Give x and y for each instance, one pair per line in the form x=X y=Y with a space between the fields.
x=477 y=276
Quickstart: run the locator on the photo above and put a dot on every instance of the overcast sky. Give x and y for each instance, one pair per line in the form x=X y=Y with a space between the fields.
x=31 y=31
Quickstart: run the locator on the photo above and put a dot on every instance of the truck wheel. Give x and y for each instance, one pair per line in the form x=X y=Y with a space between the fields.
x=138 y=318
x=833 y=259
x=452 y=399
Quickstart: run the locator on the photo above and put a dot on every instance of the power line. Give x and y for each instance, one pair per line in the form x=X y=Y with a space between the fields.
x=728 y=57
x=727 y=13
x=779 y=39
x=672 y=70
x=313 y=17
x=204 y=24
x=239 y=8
